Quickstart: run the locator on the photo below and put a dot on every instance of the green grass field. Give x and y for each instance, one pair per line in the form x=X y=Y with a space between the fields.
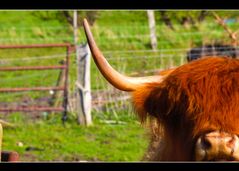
x=115 y=32
x=51 y=141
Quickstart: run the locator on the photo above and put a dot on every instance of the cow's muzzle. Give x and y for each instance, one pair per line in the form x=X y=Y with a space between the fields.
x=217 y=146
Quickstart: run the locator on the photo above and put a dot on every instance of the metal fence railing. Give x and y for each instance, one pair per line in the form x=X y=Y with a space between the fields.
x=63 y=86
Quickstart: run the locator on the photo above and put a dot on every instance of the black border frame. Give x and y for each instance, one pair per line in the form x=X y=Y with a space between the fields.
x=117 y=5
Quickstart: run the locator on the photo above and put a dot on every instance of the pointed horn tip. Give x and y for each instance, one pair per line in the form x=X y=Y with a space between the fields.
x=126 y=84
x=85 y=22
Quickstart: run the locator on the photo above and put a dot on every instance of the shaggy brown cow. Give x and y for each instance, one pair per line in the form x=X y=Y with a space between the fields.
x=195 y=107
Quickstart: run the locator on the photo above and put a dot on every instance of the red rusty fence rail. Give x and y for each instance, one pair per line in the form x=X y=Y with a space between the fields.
x=64 y=88
x=32 y=68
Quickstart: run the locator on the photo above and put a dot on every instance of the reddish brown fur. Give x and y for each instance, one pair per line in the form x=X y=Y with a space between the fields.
x=195 y=98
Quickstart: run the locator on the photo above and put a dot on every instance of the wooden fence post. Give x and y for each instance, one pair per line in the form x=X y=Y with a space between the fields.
x=152 y=27
x=1 y=134
x=75 y=27
x=83 y=87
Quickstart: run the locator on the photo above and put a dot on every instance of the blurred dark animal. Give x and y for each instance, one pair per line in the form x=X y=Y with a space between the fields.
x=219 y=50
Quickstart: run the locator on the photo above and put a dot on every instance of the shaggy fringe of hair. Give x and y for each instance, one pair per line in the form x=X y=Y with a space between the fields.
x=198 y=96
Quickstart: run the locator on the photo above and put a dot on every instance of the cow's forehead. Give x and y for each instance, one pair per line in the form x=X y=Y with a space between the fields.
x=212 y=89
x=209 y=88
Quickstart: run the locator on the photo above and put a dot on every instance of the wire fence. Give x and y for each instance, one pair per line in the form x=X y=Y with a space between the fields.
x=135 y=58
x=11 y=34
x=127 y=48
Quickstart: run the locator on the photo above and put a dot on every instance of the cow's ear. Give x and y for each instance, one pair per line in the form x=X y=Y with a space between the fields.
x=158 y=100
x=151 y=100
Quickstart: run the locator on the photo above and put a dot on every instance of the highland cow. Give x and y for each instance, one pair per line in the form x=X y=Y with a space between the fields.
x=194 y=108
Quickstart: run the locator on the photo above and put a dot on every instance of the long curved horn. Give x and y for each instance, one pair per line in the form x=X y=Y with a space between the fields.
x=115 y=78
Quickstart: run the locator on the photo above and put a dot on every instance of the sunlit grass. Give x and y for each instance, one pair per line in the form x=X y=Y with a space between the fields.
x=54 y=142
